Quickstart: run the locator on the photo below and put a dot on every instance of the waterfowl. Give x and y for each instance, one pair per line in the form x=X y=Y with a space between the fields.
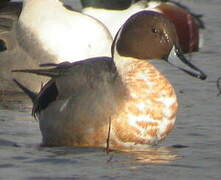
x=60 y=34
x=36 y=34
x=187 y=24
x=124 y=97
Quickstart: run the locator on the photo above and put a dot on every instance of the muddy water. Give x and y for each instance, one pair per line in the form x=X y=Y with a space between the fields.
x=192 y=151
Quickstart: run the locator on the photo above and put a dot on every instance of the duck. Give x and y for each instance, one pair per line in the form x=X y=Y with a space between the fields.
x=32 y=34
x=187 y=23
x=123 y=100
x=59 y=33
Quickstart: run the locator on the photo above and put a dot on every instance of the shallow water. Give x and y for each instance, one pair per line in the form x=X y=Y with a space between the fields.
x=192 y=151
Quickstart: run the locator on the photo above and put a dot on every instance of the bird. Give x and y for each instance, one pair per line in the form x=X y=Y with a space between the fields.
x=123 y=100
x=32 y=34
x=187 y=23
x=59 y=33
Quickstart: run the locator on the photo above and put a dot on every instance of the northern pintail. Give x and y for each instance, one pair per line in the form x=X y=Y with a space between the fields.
x=124 y=99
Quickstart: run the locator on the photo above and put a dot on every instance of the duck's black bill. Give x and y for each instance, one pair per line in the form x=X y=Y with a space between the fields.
x=186 y=66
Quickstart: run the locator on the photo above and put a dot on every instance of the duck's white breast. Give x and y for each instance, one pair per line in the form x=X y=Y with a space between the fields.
x=66 y=34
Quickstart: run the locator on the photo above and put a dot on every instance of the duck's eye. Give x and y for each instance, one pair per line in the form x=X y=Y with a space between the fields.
x=154 y=30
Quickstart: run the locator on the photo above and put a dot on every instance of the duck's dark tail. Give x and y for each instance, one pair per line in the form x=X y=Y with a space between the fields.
x=32 y=95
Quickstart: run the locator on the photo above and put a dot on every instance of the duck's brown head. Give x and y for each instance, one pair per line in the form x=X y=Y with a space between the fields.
x=149 y=35
x=146 y=35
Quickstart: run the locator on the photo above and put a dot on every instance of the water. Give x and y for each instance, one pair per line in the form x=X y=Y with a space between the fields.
x=192 y=151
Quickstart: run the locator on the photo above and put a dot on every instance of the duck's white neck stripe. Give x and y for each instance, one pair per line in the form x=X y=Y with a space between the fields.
x=123 y=63
x=153 y=4
x=120 y=61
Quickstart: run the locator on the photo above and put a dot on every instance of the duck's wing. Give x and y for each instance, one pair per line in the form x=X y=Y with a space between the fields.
x=74 y=79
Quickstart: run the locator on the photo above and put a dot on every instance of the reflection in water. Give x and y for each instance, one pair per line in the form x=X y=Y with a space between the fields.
x=152 y=155
x=70 y=151
x=155 y=155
